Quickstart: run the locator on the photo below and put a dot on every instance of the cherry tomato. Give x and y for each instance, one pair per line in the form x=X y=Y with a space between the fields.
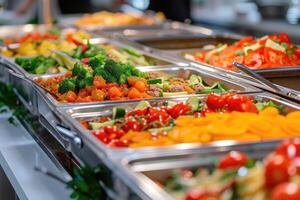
x=234 y=159
x=240 y=103
x=85 y=61
x=155 y=114
x=122 y=143
x=185 y=173
x=215 y=101
x=205 y=111
x=101 y=135
x=132 y=124
x=137 y=113
x=179 y=109
x=290 y=148
x=289 y=191
x=196 y=194
x=277 y=170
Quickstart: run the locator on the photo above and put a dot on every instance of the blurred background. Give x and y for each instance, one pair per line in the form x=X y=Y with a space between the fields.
x=256 y=17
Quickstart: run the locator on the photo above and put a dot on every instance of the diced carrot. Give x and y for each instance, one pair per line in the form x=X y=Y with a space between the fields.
x=131 y=80
x=114 y=92
x=71 y=96
x=99 y=82
x=98 y=95
x=134 y=94
x=140 y=86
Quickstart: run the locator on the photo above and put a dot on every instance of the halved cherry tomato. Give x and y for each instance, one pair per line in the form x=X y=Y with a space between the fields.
x=215 y=101
x=101 y=135
x=288 y=191
x=199 y=194
x=179 y=109
x=234 y=159
x=290 y=148
x=277 y=169
x=132 y=124
x=205 y=111
x=157 y=115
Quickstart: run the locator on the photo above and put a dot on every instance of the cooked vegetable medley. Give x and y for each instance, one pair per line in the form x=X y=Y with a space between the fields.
x=105 y=79
x=221 y=117
x=108 y=19
x=236 y=176
x=266 y=52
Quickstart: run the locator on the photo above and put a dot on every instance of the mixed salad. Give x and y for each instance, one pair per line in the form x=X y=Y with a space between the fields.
x=109 y=19
x=38 y=43
x=220 y=117
x=85 y=51
x=266 y=52
x=237 y=176
x=104 y=79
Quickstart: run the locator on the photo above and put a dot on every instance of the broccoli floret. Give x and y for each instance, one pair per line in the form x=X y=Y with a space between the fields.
x=98 y=61
x=25 y=63
x=114 y=68
x=82 y=83
x=36 y=65
x=80 y=70
x=93 y=50
x=69 y=84
x=123 y=79
x=41 y=69
x=105 y=74
x=130 y=70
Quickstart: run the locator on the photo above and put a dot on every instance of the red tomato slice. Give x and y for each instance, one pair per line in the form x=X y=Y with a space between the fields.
x=253 y=60
x=234 y=159
x=288 y=191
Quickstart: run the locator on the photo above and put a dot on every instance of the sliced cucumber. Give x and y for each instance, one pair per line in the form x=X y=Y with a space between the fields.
x=194 y=80
x=118 y=113
x=214 y=51
x=172 y=94
x=273 y=45
x=193 y=103
x=155 y=81
x=251 y=47
x=98 y=125
x=142 y=105
x=160 y=130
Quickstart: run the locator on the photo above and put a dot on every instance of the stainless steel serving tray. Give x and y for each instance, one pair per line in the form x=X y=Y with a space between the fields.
x=72 y=115
x=165 y=30
x=144 y=172
x=124 y=162
x=48 y=106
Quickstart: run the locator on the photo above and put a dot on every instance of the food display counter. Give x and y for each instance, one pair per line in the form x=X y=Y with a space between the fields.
x=145 y=102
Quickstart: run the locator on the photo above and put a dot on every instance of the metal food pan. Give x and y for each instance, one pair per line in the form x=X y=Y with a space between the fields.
x=173 y=70
x=165 y=30
x=72 y=116
x=286 y=76
x=146 y=172
x=48 y=106
x=184 y=43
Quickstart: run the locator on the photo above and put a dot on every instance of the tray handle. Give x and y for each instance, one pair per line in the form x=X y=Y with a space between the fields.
x=76 y=140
